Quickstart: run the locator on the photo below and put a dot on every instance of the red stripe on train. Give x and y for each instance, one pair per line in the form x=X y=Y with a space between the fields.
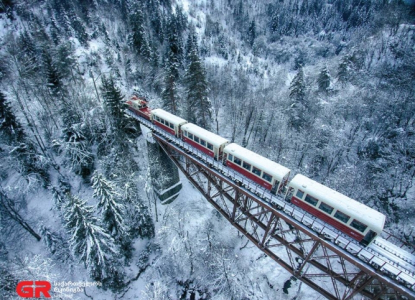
x=336 y=224
x=164 y=127
x=198 y=146
x=251 y=176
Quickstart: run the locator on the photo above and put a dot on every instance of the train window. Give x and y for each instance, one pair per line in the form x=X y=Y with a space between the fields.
x=299 y=194
x=196 y=139
x=311 y=200
x=162 y=121
x=171 y=125
x=237 y=160
x=358 y=225
x=256 y=171
x=190 y=136
x=247 y=166
x=185 y=133
x=230 y=157
x=341 y=216
x=267 y=177
x=210 y=146
x=203 y=142
x=326 y=208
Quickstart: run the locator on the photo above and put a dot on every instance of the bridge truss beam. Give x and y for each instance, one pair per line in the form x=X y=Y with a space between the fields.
x=320 y=264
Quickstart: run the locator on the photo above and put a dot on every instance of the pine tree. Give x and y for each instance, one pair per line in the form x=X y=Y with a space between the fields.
x=113 y=100
x=343 y=71
x=10 y=128
x=252 y=33
x=324 y=80
x=298 y=106
x=30 y=162
x=89 y=241
x=297 y=87
x=64 y=61
x=74 y=146
x=54 y=79
x=180 y=19
x=198 y=106
x=145 y=50
x=78 y=26
x=108 y=205
x=156 y=19
x=175 y=47
x=140 y=41
x=191 y=44
x=171 y=76
x=27 y=55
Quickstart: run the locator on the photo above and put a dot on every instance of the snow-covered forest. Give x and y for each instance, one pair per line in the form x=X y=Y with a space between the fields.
x=323 y=87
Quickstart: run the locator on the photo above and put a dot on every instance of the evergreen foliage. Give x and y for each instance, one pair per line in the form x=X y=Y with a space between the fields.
x=113 y=100
x=10 y=128
x=198 y=105
x=89 y=241
x=74 y=146
x=156 y=19
x=174 y=41
x=170 y=93
x=109 y=205
x=252 y=33
x=298 y=105
x=324 y=80
x=361 y=143
x=140 y=41
x=53 y=77
x=343 y=70
x=191 y=44
x=30 y=161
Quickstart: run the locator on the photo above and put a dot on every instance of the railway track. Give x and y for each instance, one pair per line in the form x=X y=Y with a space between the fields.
x=387 y=258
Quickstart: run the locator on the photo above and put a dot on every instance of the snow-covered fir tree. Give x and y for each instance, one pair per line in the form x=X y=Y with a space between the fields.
x=262 y=62
x=171 y=77
x=297 y=110
x=109 y=205
x=324 y=80
x=198 y=105
x=10 y=128
x=113 y=99
x=89 y=242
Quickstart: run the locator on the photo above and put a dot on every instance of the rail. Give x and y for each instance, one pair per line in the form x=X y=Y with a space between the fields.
x=393 y=261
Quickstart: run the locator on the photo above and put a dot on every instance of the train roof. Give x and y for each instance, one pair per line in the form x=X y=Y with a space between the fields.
x=265 y=164
x=353 y=208
x=208 y=136
x=168 y=116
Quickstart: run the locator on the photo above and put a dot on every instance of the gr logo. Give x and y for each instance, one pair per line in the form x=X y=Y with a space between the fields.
x=30 y=289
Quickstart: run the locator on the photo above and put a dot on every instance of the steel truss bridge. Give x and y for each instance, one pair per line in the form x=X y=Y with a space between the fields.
x=312 y=251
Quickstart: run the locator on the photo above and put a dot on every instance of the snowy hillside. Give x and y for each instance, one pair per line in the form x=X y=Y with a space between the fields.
x=323 y=87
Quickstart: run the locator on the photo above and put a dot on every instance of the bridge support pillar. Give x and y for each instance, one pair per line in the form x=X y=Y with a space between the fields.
x=164 y=173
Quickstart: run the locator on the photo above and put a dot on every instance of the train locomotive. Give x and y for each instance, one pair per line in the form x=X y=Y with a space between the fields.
x=349 y=216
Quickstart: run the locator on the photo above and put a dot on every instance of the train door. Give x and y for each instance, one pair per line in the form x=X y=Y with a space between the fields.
x=289 y=194
x=284 y=183
x=368 y=238
x=275 y=187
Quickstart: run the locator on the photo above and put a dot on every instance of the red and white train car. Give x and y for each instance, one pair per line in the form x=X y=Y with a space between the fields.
x=167 y=121
x=347 y=215
x=206 y=141
x=139 y=106
x=261 y=170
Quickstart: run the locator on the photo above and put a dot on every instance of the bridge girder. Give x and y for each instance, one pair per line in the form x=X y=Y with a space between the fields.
x=309 y=257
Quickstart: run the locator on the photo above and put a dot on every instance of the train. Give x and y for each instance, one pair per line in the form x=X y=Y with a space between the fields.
x=347 y=215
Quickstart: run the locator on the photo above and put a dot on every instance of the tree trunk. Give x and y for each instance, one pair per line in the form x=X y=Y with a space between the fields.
x=7 y=207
